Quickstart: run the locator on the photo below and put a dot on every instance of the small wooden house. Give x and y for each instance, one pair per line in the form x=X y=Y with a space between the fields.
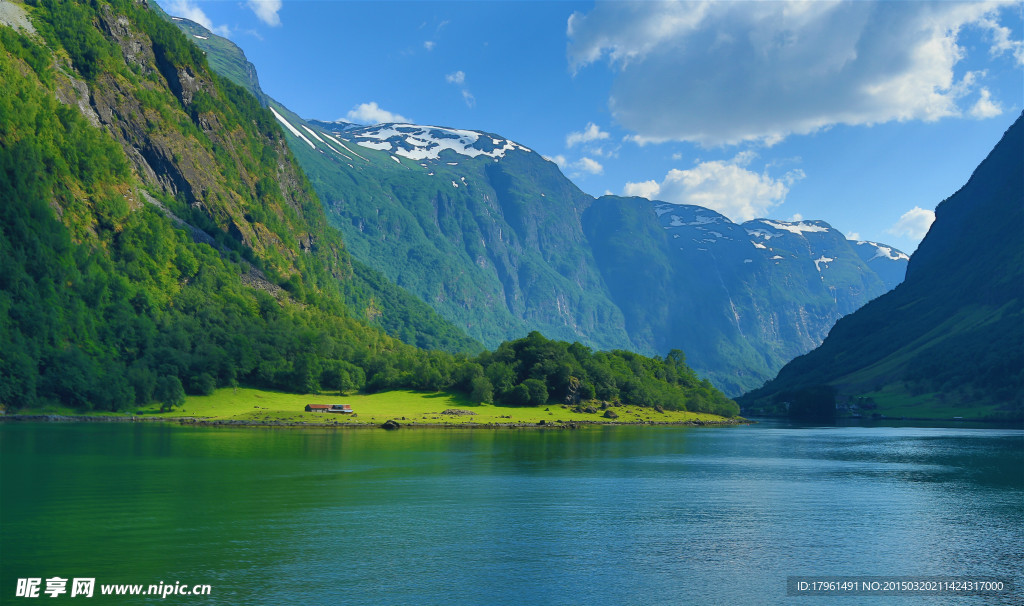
x=317 y=407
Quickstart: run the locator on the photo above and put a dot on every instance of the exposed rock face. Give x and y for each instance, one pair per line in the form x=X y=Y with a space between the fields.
x=14 y=16
x=135 y=47
x=390 y=425
x=174 y=160
x=75 y=92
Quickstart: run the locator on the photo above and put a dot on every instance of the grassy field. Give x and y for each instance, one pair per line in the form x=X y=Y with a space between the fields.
x=406 y=407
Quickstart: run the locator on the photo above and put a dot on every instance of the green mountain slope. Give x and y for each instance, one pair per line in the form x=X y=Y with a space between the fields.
x=949 y=341
x=158 y=238
x=157 y=233
x=494 y=246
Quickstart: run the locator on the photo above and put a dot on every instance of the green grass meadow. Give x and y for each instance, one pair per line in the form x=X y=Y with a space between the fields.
x=406 y=407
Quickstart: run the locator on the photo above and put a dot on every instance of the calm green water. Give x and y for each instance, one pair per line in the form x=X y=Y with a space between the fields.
x=628 y=515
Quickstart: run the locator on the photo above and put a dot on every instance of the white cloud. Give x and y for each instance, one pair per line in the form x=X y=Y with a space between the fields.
x=985 y=107
x=722 y=72
x=588 y=165
x=429 y=45
x=796 y=218
x=855 y=236
x=1002 y=42
x=559 y=160
x=913 y=224
x=723 y=186
x=591 y=133
x=459 y=79
x=644 y=189
x=583 y=166
x=266 y=11
x=371 y=113
x=188 y=10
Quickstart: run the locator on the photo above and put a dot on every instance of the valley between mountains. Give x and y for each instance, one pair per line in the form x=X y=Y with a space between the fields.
x=499 y=242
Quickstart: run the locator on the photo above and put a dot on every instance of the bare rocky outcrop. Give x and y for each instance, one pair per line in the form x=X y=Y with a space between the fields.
x=134 y=46
x=14 y=16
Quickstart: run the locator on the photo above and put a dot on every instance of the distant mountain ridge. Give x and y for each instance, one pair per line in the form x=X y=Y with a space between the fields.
x=750 y=296
x=499 y=242
x=949 y=340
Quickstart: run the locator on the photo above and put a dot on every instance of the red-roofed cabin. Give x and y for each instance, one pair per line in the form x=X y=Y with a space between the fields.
x=341 y=408
x=317 y=407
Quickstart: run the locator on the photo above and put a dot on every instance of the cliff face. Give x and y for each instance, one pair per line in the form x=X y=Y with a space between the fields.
x=949 y=340
x=256 y=195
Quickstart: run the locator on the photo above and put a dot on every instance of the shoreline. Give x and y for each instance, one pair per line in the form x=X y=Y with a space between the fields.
x=884 y=419
x=401 y=423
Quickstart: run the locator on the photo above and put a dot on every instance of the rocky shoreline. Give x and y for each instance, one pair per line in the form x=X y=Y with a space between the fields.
x=390 y=424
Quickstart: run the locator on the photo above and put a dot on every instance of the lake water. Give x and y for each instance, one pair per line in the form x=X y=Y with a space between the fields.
x=617 y=515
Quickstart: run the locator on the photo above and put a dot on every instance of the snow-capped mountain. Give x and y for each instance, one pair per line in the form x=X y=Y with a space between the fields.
x=500 y=242
x=428 y=142
x=781 y=243
x=889 y=263
x=752 y=294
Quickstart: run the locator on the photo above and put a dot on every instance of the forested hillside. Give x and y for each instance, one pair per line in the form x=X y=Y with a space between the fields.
x=159 y=239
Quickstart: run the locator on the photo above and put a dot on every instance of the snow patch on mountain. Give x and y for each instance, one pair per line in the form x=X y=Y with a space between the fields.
x=427 y=142
x=310 y=131
x=291 y=128
x=760 y=233
x=375 y=145
x=823 y=259
x=345 y=147
x=886 y=252
x=678 y=221
x=798 y=228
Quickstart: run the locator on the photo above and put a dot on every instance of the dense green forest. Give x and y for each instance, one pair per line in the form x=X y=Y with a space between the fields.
x=163 y=242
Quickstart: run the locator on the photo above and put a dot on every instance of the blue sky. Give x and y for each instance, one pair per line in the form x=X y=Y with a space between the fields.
x=863 y=114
